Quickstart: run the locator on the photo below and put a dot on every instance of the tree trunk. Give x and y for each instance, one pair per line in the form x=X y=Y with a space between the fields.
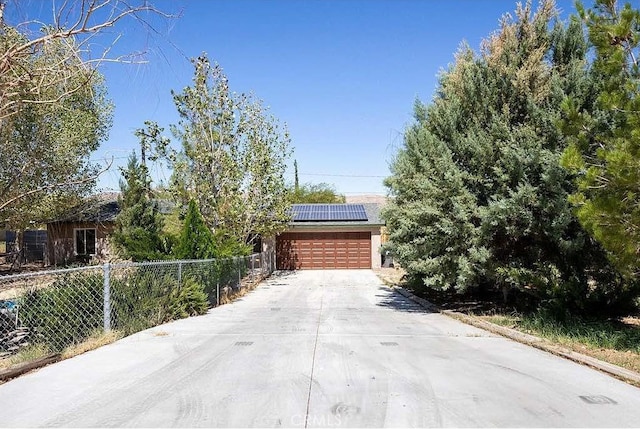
x=505 y=293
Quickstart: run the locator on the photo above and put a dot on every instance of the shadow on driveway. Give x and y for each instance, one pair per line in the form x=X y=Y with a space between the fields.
x=395 y=301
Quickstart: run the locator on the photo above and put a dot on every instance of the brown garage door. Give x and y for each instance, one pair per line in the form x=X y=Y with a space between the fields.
x=323 y=250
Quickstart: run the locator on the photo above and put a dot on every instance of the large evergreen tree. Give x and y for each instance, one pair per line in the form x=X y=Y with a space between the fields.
x=605 y=144
x=480 y=196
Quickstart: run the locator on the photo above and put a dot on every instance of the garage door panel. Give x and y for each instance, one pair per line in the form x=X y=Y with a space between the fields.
x=322 y=250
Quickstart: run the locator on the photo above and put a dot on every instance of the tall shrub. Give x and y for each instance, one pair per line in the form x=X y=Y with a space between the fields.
x=481 y=200
x=66 y=312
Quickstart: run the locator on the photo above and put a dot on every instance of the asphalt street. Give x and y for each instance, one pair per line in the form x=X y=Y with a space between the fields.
x=318 y=349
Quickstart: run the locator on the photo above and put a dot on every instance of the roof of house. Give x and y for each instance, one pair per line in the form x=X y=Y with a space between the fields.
x=98 y=209
x=103 y=208
x=371 y=210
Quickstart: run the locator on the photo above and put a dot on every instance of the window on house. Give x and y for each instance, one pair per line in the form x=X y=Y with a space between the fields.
x=85 y=241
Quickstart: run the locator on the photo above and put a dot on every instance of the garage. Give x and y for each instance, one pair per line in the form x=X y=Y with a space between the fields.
x=330 y=236
x=323 y=250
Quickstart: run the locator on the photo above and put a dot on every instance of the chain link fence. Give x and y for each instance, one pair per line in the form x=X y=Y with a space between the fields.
x=53 y=310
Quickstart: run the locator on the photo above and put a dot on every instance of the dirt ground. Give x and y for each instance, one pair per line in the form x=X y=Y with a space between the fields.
x=5 y=268
x=391 y=276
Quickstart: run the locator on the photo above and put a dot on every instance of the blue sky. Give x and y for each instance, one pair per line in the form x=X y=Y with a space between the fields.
x=342 y=74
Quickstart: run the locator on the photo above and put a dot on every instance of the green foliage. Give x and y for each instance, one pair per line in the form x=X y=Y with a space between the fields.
x=71 y=309
x=605 y=143
x=233 y=157
x=228 y=246
x=138 y=226
x=196 y=240
x=221 y=273
x=54 y=113
x=65 y=313
x=310 y=193
x=481 y=200
x=595 y=333
x=149 y=298
x=142 y=299
x=188 y=300
x=431 y=218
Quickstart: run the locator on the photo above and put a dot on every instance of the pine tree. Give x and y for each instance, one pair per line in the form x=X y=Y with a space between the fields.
x=431 y=224
x=480 y=197
x=137 y=233
x=196 y=240
x=605 y=145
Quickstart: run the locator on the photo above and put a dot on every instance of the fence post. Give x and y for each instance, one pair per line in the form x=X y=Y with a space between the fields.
x=253 y=267
x=218 y=293
x=179 y=274
x=106 y=307
x=239 y=274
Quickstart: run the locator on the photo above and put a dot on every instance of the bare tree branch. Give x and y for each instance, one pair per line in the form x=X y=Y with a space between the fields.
x=80 y=32
x=53 y=108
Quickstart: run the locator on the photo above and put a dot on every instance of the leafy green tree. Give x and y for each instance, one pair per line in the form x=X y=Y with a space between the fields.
x=137 y=235
x=196 y=240
x=605 y=144
x=53 y=107
x=233 y=157
x=481 y=200
x=45 y=147
x=310 y=193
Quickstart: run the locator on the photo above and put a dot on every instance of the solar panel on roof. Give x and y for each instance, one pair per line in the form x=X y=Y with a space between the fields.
x=328 y=212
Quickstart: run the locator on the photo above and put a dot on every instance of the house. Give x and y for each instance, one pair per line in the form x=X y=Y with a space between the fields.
x=33 y=244
x=331 y=236
x=81 y=233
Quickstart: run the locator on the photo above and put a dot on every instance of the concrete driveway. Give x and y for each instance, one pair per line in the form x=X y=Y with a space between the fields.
x=318 y=349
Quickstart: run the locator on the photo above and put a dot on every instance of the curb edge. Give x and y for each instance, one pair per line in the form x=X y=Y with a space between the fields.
x=16 y=371
x=623 y=374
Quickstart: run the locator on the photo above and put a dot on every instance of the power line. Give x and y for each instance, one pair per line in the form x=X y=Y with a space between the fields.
x=363 y=176
x=342 y=175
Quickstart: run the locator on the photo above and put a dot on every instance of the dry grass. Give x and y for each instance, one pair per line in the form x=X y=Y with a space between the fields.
x=25 y=355
x=16 y=288
x=391 y=276
x=39 y=351
x=95 y=340
x=228 y=295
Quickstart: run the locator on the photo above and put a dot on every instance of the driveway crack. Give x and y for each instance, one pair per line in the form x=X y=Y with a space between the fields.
x=313 y=364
